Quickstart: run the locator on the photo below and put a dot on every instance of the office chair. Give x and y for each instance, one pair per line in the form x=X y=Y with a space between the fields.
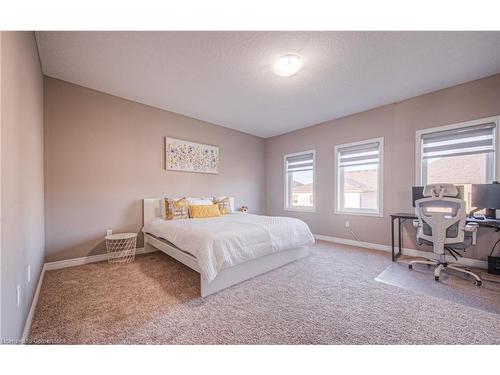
x=441 y=224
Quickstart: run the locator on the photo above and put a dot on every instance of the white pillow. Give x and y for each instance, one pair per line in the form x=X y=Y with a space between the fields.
x=200 y=201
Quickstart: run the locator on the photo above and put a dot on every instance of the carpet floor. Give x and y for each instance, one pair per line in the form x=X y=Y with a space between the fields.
x=331 y=297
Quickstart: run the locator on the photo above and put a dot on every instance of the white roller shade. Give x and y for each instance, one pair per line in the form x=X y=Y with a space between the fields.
x=477 y=139
x=364 y=154
x=300 y=163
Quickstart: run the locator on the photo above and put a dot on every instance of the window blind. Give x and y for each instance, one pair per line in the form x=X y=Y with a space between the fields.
x=469 y=140
x=300 y=163
x=364 y=154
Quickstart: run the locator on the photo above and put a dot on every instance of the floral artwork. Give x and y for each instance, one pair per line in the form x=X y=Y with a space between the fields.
x=190 y=156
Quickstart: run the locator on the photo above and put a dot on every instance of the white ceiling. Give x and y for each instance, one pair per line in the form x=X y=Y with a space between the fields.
x=226 y=77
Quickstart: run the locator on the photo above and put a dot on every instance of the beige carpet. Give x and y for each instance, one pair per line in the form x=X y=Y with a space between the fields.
x=330 y=297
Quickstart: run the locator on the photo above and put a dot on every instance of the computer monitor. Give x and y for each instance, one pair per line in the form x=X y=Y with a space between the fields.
x=485 y=196
x=417 y=192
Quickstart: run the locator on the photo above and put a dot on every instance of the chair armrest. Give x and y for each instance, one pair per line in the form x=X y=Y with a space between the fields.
x=471 y=227
x=416 y=223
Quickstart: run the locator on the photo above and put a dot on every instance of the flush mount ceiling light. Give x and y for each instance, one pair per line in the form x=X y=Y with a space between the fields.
x=288 y=65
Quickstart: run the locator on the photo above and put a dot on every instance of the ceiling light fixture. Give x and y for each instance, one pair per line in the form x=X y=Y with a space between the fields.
x=288 y=65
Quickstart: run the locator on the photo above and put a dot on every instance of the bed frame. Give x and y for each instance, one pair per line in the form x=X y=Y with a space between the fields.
x=227 y=277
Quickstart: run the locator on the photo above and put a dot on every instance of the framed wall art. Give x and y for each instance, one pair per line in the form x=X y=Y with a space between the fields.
x=185 y=156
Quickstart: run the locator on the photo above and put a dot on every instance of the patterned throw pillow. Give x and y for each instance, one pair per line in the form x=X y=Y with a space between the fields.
x=176 y=209
x=224 y=205
x=203 y=211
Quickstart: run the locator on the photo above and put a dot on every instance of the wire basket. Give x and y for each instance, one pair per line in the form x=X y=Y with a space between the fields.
x=121 y=247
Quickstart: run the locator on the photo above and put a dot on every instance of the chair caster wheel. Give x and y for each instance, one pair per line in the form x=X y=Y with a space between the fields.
x=436 y=278
x=410 y=266
x=478 y=282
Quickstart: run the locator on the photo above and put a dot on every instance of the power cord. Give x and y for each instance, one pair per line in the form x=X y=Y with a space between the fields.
x=354 y=235
x=493 y=248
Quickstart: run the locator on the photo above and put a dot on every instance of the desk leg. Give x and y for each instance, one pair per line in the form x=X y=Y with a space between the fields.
x=400 y=239
x=392 y=239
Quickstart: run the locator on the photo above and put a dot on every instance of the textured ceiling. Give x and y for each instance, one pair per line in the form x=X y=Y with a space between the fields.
x=226 y=77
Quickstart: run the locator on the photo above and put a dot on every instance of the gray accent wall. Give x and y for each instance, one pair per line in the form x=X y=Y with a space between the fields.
x=104 y=154
x=397 y=123
x=22 y=197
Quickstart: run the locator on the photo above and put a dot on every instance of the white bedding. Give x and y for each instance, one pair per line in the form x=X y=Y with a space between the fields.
x=225 y=241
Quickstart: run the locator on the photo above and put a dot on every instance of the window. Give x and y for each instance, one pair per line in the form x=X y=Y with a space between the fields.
x=461 y=154
x=299 y=181
x=359 y=177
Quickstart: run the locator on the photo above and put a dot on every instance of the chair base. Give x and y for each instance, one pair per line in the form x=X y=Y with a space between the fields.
x=440 y=266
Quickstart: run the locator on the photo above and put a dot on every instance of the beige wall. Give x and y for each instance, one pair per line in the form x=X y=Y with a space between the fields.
x=103 y=154
x=397 y=123
x=22 y=206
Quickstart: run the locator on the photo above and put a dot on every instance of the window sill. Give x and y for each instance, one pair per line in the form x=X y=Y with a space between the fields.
x=300 y=209
x=359 y=213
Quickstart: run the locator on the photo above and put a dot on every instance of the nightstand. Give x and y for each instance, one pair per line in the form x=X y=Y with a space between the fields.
x=121 y=247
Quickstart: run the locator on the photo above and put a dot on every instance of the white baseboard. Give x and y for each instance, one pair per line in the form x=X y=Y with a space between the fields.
x=406 y=251
x=31 y=314
x=347 y=241
x=64 y=264
x=86 y=260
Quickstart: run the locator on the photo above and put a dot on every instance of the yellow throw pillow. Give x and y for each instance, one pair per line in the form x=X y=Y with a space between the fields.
x=203 y=211
x=176 y=209
x=224 y=205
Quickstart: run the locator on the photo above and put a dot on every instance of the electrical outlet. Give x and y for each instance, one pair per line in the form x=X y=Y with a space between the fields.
x=347 y=224
x=18 y=289
x=29 y=273
x=109 y=232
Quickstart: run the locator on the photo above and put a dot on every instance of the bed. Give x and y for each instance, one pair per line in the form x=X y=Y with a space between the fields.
x=229 y=249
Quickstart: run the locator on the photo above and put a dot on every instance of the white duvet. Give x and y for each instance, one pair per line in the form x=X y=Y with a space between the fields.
x=225 y=241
